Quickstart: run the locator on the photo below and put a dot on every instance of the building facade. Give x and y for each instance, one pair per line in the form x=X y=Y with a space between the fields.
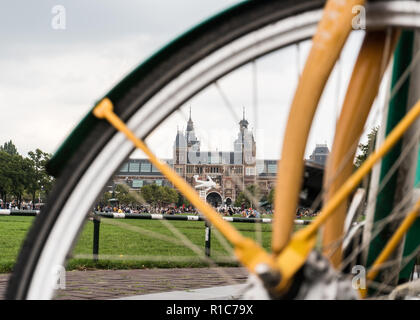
x=231 y=171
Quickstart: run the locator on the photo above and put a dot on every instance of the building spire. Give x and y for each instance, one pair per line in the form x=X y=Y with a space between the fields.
x=243 y=124
x=190 y=124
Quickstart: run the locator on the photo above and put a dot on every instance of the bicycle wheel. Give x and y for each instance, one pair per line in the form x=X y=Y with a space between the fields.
x=146 y=97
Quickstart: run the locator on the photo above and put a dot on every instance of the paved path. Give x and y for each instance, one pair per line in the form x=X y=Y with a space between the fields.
x=114 y=284
x=232 y=292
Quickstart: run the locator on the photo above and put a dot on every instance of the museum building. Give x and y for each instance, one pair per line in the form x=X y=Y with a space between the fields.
x=231 y=171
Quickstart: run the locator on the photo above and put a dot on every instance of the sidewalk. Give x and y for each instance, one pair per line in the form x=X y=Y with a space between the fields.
x=115 y=284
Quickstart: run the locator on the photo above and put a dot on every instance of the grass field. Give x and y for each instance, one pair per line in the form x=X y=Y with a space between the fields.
x=130 y=245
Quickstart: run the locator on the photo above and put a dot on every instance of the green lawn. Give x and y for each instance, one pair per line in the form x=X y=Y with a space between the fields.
x=12 y=232
x=129 y=248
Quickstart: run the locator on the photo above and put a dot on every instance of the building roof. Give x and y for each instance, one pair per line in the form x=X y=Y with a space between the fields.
x=320 y=154
x=265 y=167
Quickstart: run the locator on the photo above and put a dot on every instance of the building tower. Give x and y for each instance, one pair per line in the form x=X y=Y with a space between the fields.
x=185 y=142
x=180 y=148
x=244 y=146
x=192 y=141
x=320 y=154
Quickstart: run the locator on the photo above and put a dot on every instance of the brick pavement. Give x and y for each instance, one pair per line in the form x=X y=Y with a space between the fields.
x=112 y=284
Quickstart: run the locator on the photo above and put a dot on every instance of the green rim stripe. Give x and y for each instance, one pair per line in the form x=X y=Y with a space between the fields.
x=397 y=110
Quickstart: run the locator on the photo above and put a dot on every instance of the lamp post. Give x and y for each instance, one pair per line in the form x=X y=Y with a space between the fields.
x=113 y=201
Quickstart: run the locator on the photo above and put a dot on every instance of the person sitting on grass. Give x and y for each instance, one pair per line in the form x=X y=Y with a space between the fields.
x=230 y=211
x=257 y=214
x=251 y=213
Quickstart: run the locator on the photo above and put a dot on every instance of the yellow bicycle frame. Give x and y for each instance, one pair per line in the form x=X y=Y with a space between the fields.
x=328 y=41
x=370 y=66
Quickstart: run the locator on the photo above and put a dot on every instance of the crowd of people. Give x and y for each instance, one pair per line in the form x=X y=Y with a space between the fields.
x=223 y=210
x=147 y=209
x=305 y=212
x=14 y=205
x=244 y=212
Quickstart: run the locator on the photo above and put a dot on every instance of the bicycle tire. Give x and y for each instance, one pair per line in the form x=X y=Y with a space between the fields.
x=92 y=136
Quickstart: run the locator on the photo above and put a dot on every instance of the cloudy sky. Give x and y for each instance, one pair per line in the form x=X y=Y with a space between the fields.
x=50 y=78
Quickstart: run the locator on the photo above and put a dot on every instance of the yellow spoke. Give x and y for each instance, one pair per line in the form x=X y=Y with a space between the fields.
x=392 y=244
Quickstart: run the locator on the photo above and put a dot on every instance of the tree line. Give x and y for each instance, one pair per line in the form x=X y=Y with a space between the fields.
x=23 y=179
x=152 y=194
x=161 y=196
x=253 y=197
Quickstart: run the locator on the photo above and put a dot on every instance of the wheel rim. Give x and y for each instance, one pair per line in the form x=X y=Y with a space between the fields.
x=274 y=37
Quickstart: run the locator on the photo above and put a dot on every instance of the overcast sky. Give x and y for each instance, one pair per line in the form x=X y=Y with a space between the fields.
x=50 y=78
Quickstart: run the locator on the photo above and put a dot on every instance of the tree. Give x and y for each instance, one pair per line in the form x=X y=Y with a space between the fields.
x=182 y=201
x=366 y=148
x=6 y=182
x=14 y=175
x=250 y=198
x=124 y=195
x=22 y=176
x=9 y=148
x=104 y=200
x=38 y=179
x=159 y=195
x=149 y=193
x=18 y=170
x=270 y=197
x=169 y=195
